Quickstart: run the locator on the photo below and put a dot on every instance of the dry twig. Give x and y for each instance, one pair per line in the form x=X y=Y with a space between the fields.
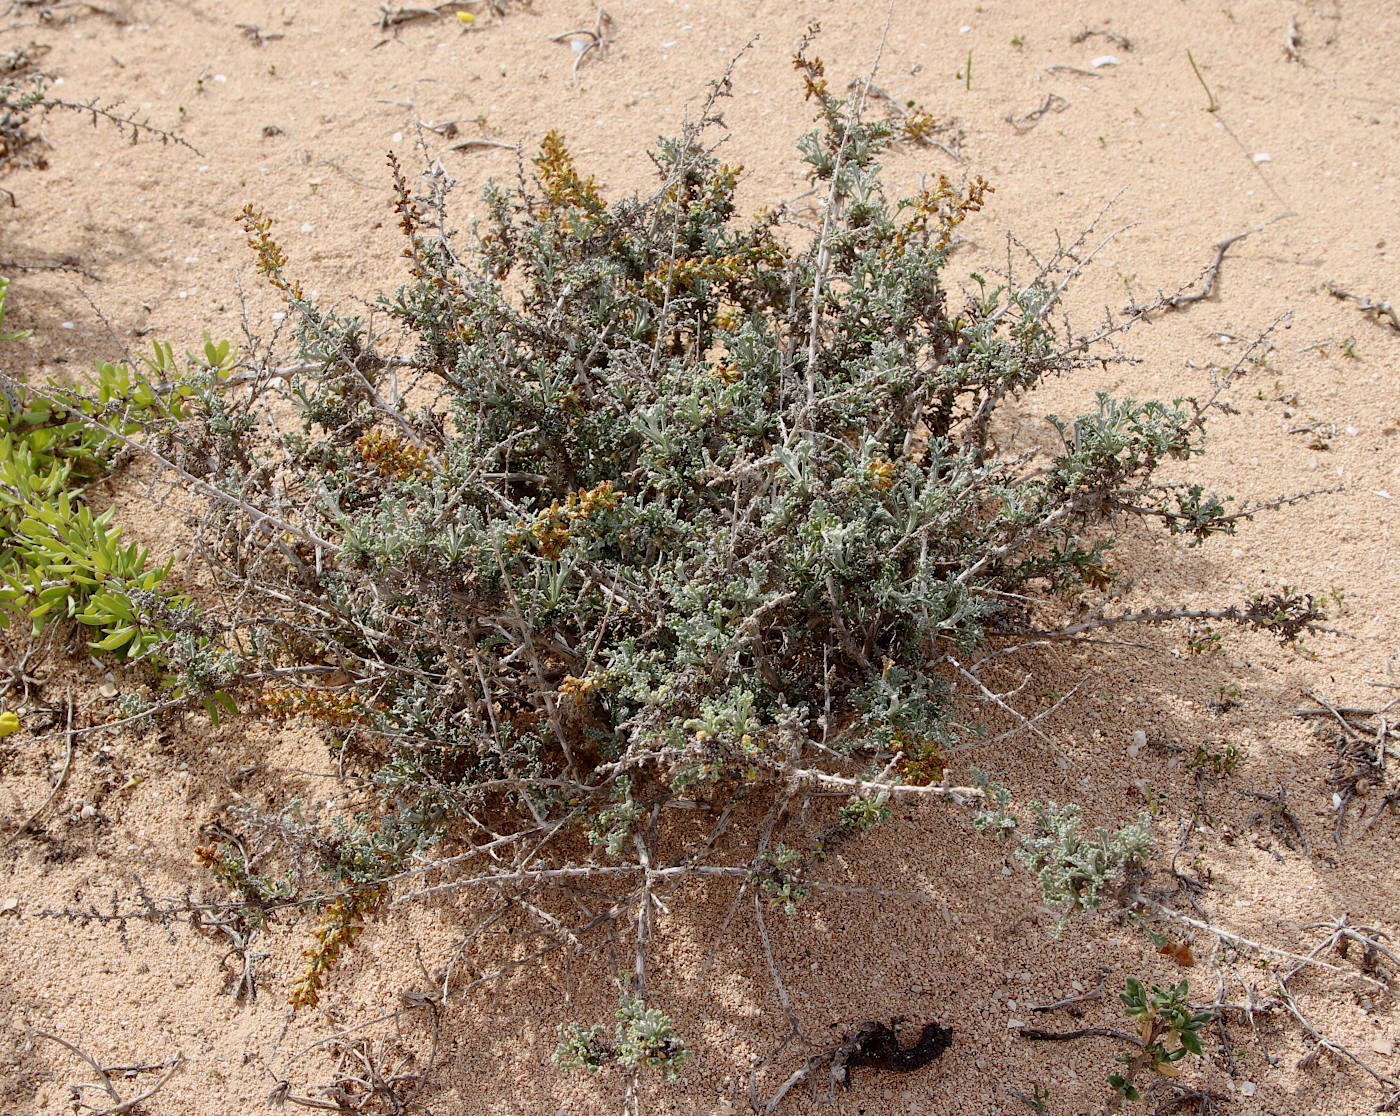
x=1053 y=103
x=1385 y=313
x=1363 y=746
x=1103 y=33
x=1293 y=41
x=1212 y=272
x=1390 y=1087
x=390 y=17
x=1279 y=815
x=119 y=1105
x=583 y=39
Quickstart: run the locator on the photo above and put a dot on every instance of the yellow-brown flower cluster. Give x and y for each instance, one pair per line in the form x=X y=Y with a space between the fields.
x=332 y=707
x=553 y=527
x=881 y=473
x=391 y=456
x=919 y=126
x=342 y=922
x=564 y=188
x=682 y=275
x=942 y=204
x=271 y=258
x=729 y=318
x=813 y=71
x=577 y=688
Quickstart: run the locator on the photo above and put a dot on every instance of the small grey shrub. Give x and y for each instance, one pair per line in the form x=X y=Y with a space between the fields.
x=1075 y=870
x=666 y=507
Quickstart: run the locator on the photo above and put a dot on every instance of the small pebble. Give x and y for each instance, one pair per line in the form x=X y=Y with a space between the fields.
x=1263 y=158
x=1247 y=1088
x=1104 y=60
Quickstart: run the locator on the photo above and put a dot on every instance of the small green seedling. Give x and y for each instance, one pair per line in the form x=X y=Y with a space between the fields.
x=1213 y=105
x=781 y=889
x=1219 y=763
x=1169 y=1029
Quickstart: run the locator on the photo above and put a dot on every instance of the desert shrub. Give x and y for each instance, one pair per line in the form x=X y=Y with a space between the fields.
x=1163 y=1016
x=667 y=506
x=642 y=1038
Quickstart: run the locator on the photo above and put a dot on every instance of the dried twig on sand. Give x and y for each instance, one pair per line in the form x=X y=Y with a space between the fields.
x=1208 y=277
x=584 y=39
x=870 y=1044
x=1363 y=746
x=1102 y=33
x=1053 y=103
x=390 y=17
x=1293 y=41
x=118 y=1105
x=1385 y=313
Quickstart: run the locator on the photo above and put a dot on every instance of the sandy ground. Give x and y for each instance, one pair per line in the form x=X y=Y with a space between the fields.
x=296 y=115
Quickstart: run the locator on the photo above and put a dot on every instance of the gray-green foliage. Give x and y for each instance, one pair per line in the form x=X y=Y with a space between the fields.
x=1075 y=870
x=642 y=1038
x=665 y=503
x=26 y=92
x=665 y=495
